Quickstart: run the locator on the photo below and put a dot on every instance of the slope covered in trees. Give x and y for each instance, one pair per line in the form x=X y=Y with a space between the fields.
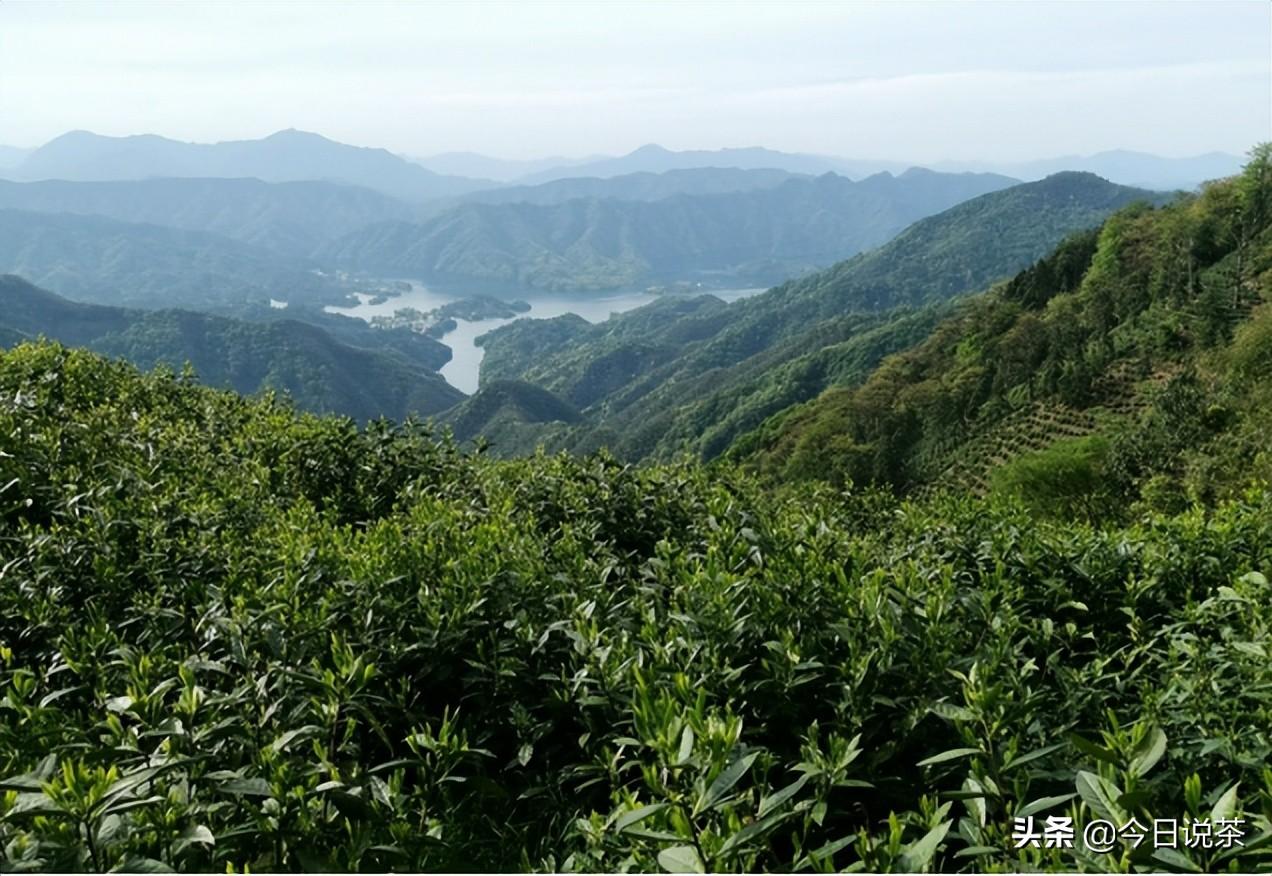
x=695 y=376
x=319 y=372
x=964 y=247
x=1130 y=363
x=233 y=637
x=292 y=218
x=103 y=261
x=753 y=236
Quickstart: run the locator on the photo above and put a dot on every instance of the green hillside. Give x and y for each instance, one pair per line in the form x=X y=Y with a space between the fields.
x=90 y=258
x=593 y=243
x=694 y=375
x=1128 y=364
x=236 y=637
x=292 y=218
x=317 y=371
x=501 y=409
x=966 y=246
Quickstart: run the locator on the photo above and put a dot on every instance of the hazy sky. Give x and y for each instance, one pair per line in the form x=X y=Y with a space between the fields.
x=905 y=80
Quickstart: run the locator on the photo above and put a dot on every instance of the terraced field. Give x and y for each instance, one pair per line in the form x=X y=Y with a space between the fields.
x=1123 y=392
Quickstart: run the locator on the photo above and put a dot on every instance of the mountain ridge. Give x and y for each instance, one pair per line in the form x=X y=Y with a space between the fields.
x=667 y=378
x=291 y=218
x=586 y=244
x=284 y=156
x=321 y=373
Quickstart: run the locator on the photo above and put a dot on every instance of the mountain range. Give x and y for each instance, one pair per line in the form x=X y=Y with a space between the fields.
x=291 y=218
x=749 y=237
x=282 y=157
x=697 y=374
x=637 y=186
x=1120 y=166
x=292 y=155
x=1128 y=365
x=473 y=164
x=105 y=261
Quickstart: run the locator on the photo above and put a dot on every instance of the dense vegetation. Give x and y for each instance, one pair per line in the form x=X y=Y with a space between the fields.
x=234 y=636
x=697 y=375
x=1138 y=342
x=350 y=369
x=755 y=235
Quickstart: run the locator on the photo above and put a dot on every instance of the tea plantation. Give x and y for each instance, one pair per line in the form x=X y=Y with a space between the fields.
x=235 y=637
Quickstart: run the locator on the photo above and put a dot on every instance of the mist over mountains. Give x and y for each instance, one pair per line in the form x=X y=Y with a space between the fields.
x=755 y=236
x=284 y=156
x=291 y=155
x=241 y=230
x=1119 y=166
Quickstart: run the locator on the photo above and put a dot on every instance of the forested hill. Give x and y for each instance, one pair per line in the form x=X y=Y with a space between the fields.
x=292 y=218
x=90 y=258
x=1131 y=364
x=752 y=236
x=669 y=378
x=317 y=371
x=966 y=246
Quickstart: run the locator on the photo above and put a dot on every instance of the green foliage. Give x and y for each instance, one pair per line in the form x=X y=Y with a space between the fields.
x=973 y=244
x=1065 y=480
x=673 y=378
x=1128 y=331
x=233 y=636
x=1251 y=352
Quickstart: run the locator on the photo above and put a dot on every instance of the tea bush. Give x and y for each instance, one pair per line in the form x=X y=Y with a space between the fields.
x=233 y=636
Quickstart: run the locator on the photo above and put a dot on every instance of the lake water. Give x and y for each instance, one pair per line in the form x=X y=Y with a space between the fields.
x=464 y=367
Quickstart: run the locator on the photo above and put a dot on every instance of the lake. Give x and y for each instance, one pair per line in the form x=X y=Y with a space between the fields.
x=464 y=367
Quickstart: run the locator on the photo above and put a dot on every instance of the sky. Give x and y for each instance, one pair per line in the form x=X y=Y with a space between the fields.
x=914 y=81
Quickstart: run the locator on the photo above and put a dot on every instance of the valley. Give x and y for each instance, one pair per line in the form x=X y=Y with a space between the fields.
x=463 y=369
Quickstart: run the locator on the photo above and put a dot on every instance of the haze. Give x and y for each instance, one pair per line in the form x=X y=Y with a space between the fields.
x=915 y=81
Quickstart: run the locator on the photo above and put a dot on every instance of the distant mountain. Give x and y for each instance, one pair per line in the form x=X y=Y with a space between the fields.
x=644 y=186
x=282 y=157
x=472 y=164
x=752 y=236
x=1120 y=166
x=104 y=261
x=320 y=373
x=653 y=158
x=694 y=374
x=11 y=156
x=293 y=218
